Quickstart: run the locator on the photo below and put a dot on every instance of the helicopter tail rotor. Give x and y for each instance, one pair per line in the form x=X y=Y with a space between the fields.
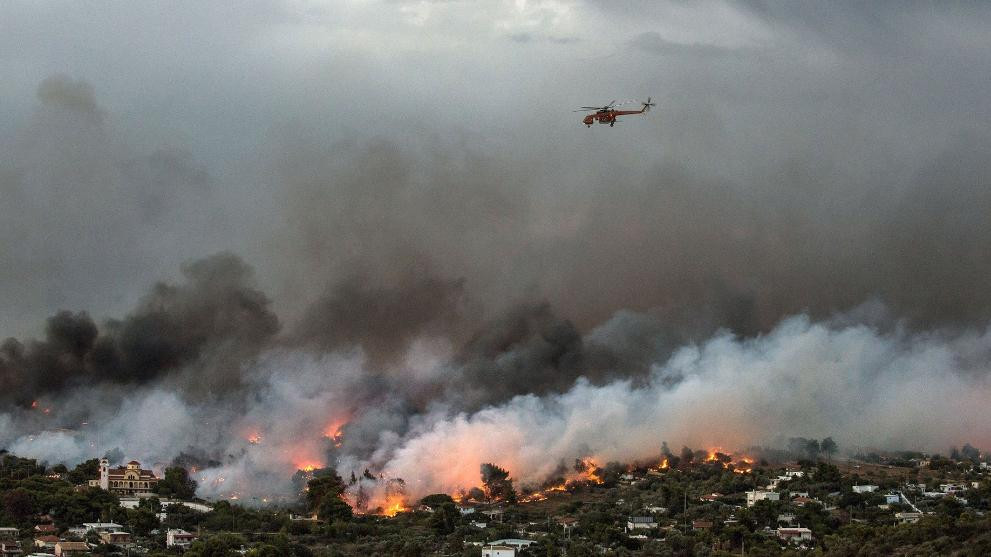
x=647 y=105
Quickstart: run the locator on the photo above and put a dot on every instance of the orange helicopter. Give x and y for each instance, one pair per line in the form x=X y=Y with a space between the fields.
x=608 y=114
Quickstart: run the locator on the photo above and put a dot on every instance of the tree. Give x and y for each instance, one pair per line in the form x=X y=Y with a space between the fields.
x=828 y=446
x=332 y=507
x=323 y=496
x=436 y=499
x=445 y=518
x=176 y=483
x=142 y=520
x=85 y=471
x=498 y=484
x=18 y=504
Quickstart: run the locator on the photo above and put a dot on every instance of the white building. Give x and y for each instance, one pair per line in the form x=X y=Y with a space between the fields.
x=797 y=534
x=100 y=527
x=514 y=542
x=178 y=538
x=640 y=523
x=864 y=488
x=498 y=551
x=754 y=496
x=892 y=498
x=795 y=473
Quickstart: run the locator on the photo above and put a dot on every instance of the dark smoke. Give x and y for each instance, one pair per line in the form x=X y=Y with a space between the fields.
x=214 y=317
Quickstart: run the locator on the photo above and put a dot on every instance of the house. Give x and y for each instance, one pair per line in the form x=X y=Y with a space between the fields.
x=47 y=541
x=794 y=534
x=788 y=518
x=795 y=473
x=8 y=533
x=115 y=538
x=802 y=501
x=9 y=548
x=908 y=518
x=514 y=542
x=178 y=538
x=71 y=548
x=100 y=527
x=46 y=529
x=466 y=510
x=127 y=480
x=498 y=551
x=478 y=524
x=656 y=510
x=864 y=488
x=710 y=497
x=701 y=525
x=892 y=498
x=640 y=522
x=754 y=496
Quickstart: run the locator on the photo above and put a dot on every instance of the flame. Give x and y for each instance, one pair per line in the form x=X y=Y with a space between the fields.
x=255 y=438
x=34 y=404
x=587 y=472
x=664 y=464
x=335 y=431
x=394 y=504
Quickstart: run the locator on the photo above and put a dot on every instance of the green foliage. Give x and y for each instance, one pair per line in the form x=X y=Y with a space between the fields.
x=84 y=472
x=176 y=484
x=436 y=499
x=445 y=518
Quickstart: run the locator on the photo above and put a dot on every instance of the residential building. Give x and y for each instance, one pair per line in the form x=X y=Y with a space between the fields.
x=46 y=529
x=71 y=548
x=640 y=523
x=46 y=541
x=892 y=498
x=754 y=496
x=175 y=537
x=115 y=538
x=498 y=551
x=701 y=525
x=908 y=518
x=514 y=542
x=8 y=533
x=795 y=534
x=10 y=549
x=100 y=527
x=864 y=488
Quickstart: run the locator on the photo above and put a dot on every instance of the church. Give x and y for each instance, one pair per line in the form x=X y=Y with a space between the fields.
x=128 y=480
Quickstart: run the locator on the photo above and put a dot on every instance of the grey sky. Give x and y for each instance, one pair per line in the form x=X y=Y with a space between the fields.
x=799 y=145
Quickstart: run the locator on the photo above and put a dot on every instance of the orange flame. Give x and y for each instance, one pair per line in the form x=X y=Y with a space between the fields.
x=335 y=432
x=394 y=504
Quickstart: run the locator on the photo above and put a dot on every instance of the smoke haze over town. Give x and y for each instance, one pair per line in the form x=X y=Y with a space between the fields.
x=373 y=235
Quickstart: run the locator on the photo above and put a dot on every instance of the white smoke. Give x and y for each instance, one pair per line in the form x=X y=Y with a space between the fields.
x=864 y=386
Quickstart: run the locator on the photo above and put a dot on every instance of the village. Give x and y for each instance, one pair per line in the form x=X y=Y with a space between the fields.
x=702 y=502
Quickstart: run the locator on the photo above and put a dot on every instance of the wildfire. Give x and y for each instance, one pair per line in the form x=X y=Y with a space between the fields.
x=586 y=472
x=394 y=504
x=335 y=431
x=744 y=466
x=255 y=438
x=664 y=465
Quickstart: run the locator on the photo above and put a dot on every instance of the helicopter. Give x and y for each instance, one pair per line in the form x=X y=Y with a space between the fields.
x=608 y=114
